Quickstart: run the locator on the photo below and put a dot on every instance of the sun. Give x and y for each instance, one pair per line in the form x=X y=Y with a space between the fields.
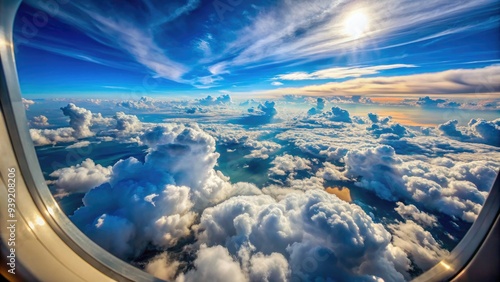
x=356 y=24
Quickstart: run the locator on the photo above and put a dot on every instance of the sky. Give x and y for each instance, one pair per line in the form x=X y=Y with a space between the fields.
x=395 y=101
x=266 y=48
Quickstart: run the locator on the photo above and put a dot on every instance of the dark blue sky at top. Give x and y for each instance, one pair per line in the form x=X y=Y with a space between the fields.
x=190 y=47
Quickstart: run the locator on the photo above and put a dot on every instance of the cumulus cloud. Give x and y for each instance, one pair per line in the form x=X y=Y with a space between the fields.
x=374 y=118
x=262 y=114
x=267 y=109
x=320 y=105
x=214 y=264
x=126 y=124
x=27 y=103
x=39 y=121
x=477 y=130
x=261 y=149
x=194 y=110
x=80 y=120
x=51 y=136
x=288 y=165
x=211 y=101
x=144 y=103
x=80 y=178
x=331 y=172
x=154 y=201
x=411 y=212
x=339 y=114
x=424 y=250
x=163 y=267
x=487 y=131
x=446 y=187
x=429 y=102
x=338 y=240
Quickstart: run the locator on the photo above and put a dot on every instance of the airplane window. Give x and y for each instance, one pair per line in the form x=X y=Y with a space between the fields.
x=265 y=140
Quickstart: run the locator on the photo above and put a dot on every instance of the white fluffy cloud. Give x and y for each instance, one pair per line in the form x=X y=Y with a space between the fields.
x=126 y=124
x=261 y=149
x=39 y=121
x=214 y=264
x=288 y=164
x=443 y=185
x=413 y=213
x=27 y=103
x=80 y=178
x=320 y=235
x=477 y=130
x=424 y=250
x=51 y=136
x=211 y=101
x=156 y=201
x=80 y=120
x=144 y=103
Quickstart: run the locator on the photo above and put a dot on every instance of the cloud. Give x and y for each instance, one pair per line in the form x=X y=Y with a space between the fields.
x=444 y=187
x=487 y=131
x=477 y=130
x=338 y=114
x=276 y=83
x=214 y=264
x=256 y=45
x=331 y=172
x=429 y=102
x=411 y=212
x=261 y=149
x=51 y=136
x=27 y=103
x=457 y=81
x=126 y=124
x=144 y=103
x=39 y=121
x=267 y=109
x=80 y=120
x=340 y=72
x=176 y=180
x=163 y=267
x=319 y=107
x=80 y=178
x=374 y=118
x=288 y=165
x=419 y=243
x=339 y=240
x=264 y=113
x=80 y=144
x=211 y=101
x=123 y=30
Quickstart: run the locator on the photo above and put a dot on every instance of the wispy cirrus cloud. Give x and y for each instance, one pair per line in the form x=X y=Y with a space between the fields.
x=312 y=30
x=124 y=28
x=458 y=81
x=341 y=72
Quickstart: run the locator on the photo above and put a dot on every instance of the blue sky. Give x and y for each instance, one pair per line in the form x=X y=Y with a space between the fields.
x=182 y=48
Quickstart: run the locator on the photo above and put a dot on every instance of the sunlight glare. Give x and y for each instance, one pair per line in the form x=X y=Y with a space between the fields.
x=356 y=24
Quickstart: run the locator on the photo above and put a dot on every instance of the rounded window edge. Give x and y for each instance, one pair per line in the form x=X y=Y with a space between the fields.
x=16 y=123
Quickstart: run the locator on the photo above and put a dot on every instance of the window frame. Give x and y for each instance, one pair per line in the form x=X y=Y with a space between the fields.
x=12 y=108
